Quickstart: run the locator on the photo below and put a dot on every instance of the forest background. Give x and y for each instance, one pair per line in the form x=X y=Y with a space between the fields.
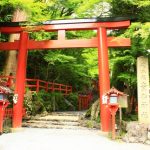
x=78 y=67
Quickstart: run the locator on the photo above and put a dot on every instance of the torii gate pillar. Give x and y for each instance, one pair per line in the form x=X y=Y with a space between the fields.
x=20 y=80
x=104 y=80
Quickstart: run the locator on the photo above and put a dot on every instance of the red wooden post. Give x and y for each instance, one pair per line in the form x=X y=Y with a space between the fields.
x=104 y=81
x=60 y=87
x=3 y=105
x=46 y=84
x=71 y=89
x=113 y=109
x=66 y=90
x=61 y=34
x=86 y=99
x=37 y=85
x=79 y=102
x=84 y=102
x=87 y=102
x=20 y=80
x=53 y=87
x=113 y=126
x=10 y=81
x=1 y=118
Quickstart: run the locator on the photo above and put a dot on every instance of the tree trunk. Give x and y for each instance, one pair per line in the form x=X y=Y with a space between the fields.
x=11 y=61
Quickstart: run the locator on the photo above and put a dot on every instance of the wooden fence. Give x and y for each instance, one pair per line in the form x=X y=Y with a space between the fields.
x=84 y=101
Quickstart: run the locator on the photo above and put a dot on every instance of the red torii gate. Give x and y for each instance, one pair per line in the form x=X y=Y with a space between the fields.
x=102 y=42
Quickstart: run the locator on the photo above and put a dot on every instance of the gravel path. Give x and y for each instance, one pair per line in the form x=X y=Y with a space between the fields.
x=62 y=139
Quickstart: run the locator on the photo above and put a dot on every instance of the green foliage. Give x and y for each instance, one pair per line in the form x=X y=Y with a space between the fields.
x=53 y=58
x=140 y=36
x=98 y=119
x=37 y=103
x=47 y=101
x=123 y=62
x=91 y=60
x=7 y=125
x=73 y=99
x=123 y=70
x=68 y=66
x=132 y=8
x=22 y=4
x=130 y=117
x=76 y=67
x=88 y=113
x=90 y=124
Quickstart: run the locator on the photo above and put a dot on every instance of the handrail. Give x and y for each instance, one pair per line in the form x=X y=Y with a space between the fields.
x=37 y=85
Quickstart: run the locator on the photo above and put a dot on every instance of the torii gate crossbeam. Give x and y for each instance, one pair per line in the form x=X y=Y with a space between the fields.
x=101 y=41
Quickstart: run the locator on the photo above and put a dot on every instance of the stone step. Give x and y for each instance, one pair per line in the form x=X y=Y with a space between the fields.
x=58 y=118
x=52 y=126
x=53 y=122
x=68 y=113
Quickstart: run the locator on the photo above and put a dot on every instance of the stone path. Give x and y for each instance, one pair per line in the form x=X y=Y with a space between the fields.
x=61 y=137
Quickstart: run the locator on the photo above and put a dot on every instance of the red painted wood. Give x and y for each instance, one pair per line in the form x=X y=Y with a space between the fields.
x=75 y=43
x=37 y=86
x=83 y=102
x=104 y=81
x=1 y=118
x=46 y=85
x=118 y=42
x=20 y=80
x=77 y=26
x=61 y=35
x=9 y=45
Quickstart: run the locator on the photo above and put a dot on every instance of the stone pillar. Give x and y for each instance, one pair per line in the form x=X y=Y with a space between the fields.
x=143 y=90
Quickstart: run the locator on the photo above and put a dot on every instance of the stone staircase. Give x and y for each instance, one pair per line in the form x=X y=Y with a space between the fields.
x=56 y=120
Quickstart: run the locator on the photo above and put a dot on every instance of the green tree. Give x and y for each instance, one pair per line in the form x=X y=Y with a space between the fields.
x=123 y=62
x=78 y=66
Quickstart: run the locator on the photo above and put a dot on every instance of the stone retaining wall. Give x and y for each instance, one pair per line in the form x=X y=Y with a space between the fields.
x=137 y=133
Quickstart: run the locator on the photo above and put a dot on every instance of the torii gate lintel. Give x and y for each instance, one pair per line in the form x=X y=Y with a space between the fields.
x=73 y=43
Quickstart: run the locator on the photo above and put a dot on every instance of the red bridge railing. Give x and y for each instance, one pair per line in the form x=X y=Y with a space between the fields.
x=35 y=85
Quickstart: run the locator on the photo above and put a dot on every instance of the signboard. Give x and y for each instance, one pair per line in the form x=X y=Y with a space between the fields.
x=15 y=98
x=122 y=101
